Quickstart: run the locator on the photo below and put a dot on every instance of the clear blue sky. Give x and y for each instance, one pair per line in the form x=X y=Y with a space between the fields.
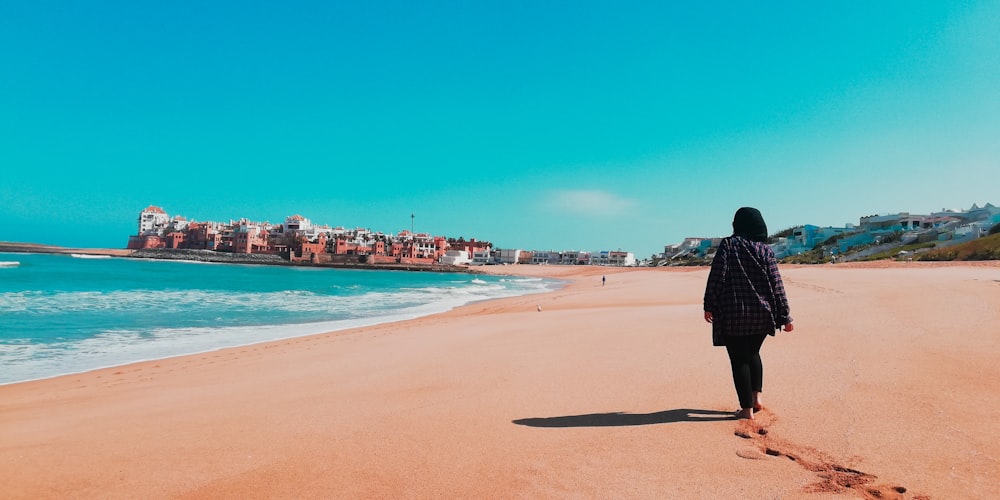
x=538 y=125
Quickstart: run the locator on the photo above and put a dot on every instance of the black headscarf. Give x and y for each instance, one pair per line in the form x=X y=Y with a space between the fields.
x=749 y=223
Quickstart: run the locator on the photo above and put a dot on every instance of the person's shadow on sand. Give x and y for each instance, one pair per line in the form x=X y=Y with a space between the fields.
x=618 y=419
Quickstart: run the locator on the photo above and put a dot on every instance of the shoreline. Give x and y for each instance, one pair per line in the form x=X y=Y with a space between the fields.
x=269 y=259
x=210 y=339
x=588 y=391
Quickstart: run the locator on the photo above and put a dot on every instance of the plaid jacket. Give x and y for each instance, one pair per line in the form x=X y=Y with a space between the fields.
x=744 y=292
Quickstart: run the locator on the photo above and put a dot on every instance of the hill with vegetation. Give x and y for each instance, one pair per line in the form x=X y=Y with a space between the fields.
x=985 y=248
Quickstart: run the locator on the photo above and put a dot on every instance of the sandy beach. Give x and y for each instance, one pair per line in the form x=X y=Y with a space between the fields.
x=887 y=388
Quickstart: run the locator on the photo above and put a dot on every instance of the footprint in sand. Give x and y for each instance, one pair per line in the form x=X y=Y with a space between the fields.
x=817 y=288
x=750 y=454
x=759 y=443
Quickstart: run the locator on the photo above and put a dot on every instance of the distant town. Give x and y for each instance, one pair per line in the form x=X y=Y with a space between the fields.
x=299 y=240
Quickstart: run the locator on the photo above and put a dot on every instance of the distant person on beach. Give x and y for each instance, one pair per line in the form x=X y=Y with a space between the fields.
x=603 y=279
x=745 y=302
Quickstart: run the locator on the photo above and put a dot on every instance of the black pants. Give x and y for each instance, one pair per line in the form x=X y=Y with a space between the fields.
x=748 y=372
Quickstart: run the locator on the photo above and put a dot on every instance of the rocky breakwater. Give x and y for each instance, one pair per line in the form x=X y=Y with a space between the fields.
x=208 y=256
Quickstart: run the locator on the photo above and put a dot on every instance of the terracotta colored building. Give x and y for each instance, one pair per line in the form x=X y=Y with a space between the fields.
x=297 y=238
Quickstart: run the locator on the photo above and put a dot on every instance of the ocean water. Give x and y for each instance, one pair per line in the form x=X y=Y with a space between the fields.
x=61 y=314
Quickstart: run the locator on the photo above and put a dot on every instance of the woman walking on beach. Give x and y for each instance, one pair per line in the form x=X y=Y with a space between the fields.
x=745 y=302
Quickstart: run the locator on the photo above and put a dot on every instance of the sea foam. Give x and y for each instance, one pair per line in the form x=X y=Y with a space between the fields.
x=60 y=315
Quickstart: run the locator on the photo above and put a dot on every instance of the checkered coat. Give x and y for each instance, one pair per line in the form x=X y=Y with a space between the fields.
x=744 y=292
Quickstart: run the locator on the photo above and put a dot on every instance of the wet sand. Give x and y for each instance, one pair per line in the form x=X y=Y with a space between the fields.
x=887 y=388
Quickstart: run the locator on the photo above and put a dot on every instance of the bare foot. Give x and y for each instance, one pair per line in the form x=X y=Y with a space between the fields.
x=745 y=413
x=757 y=405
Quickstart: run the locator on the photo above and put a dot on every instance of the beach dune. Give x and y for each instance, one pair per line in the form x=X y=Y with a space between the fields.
x=886 y=388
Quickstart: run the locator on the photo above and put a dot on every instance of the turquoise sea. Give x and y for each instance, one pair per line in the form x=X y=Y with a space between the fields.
x=62 y=314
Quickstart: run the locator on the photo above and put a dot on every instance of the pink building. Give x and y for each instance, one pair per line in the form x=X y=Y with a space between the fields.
x=298 y=238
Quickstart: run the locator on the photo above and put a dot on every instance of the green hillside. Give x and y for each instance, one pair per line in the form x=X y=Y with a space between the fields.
x=986 y=248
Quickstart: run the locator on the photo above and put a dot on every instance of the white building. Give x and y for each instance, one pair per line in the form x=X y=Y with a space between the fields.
x=296 y=223
x=545 y=257
x=455 y=258
x=690 y=246
x=152 y=220
x=508 y=255
x=482 y=256
x=613 y=258
x=178 y=223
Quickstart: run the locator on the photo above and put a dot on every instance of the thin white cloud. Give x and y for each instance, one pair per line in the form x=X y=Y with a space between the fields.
x=589 y=202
